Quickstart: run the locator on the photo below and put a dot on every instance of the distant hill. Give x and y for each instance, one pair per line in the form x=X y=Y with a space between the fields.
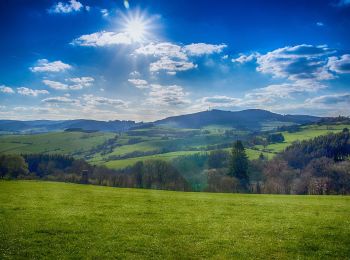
x=41 y=126
x=252 y=119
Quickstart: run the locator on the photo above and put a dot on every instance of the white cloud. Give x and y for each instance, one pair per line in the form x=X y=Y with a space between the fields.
x=94 y=101
x=135 y=74
x=297 y=62
x=104 y=12
x=103 y=38
x=80 y=83
x=172 y=66
x=219 y=101
x=60 y=100
x=44 y=65
x=320 y=24
x=71 y=6
x=334 y=99
x=198 y=49
x=31 y=92
x=162 y=49
x=77 y=83
x=7 y=90
x=167 y=95
x=340 y=65
x=139 y=83
x=246 y=58
x=285 y=90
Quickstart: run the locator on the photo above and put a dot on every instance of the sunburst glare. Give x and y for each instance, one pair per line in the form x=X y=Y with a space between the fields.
x=137 y=26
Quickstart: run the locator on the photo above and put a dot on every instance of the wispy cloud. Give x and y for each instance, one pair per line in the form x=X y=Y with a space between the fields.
x=139 y=83
x=198 y=49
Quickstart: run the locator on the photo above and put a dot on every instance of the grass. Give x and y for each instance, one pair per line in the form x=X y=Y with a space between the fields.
x=58 y=221
x=119 y=164
x=58 y=142
x=305 y=133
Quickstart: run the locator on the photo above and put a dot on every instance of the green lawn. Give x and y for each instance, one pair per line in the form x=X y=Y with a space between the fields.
x=58 y=221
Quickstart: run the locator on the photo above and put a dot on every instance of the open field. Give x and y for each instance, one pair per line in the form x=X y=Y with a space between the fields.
x=57 y=220
x=305 y=133
x=59 y=142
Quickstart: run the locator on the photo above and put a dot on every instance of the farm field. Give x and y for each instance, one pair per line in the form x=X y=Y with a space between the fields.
x=305 y=133
x=58 y=220
x=143 y=144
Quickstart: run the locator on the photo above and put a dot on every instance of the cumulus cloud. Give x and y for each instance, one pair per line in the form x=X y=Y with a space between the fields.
x=297 y=62
x=44 y=65
x=71 y=6
x=31 y=92
x=163 y=49
x=170 y=65
x=167 y=95
x=55 y=84
x=95 y=100
x=80 y=83
x=246 y=58
x=75 y=83
x=7 y=90
x=103 y=38
x=198 y=49
x=139 y=83
x=340 y=65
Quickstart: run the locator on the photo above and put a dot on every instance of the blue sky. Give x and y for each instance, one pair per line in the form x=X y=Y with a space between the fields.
x=146 y=60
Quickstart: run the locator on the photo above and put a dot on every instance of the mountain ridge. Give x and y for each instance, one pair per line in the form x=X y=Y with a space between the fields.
x=252 y=119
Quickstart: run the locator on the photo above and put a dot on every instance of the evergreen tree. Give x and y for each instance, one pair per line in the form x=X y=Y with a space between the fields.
x=239 y=164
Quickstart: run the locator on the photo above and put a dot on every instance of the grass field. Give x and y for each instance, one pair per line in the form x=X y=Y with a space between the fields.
x=305 y=133
x=59 y=142
x=57 y=220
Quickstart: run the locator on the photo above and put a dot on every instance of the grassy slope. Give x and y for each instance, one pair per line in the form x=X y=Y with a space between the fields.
x=306 y=133
x=59 y=142
x=57 y=220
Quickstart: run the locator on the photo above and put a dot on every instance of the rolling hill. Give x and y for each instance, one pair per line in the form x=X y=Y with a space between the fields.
x=251 y=119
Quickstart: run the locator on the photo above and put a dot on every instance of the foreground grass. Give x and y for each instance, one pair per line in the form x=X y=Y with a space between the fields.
x=57 y=220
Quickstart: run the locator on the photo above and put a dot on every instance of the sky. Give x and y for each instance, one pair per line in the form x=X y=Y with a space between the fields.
x=147 y=60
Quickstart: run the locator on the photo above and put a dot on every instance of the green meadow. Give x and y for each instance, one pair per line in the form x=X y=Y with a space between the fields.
x=165 y=143
x=59 y=220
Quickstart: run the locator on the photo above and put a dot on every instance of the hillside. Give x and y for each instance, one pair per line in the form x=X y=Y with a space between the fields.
x=252 y=119
x=58 y=220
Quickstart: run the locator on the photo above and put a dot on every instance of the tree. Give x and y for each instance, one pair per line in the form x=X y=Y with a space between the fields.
x=275 y=138
x=13 y=166
x=238 y=167
x=217 y=159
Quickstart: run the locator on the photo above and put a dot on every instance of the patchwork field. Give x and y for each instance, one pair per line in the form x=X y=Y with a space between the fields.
x=57 y=220
x=124 y=149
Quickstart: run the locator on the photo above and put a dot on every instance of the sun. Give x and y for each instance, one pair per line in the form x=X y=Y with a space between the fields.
x=136 y=29
x=138 y=26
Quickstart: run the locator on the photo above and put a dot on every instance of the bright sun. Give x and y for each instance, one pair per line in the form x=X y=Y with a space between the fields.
x=136 y=28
